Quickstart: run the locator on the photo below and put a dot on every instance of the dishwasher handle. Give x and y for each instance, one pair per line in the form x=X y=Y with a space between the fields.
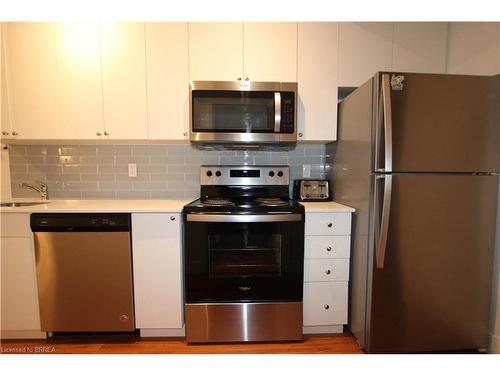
x=76 y=222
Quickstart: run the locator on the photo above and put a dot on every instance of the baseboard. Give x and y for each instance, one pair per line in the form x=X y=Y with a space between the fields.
x=163 y=332
x=323 y=329
x=30 y=334
x=494 y=344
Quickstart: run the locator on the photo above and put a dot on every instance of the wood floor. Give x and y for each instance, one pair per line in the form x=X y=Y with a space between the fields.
x=313 y=344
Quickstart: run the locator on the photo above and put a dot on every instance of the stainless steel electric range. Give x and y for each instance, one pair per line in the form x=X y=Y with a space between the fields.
x=243 y=257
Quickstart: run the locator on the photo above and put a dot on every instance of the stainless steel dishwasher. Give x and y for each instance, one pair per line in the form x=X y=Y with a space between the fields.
x=84 y=272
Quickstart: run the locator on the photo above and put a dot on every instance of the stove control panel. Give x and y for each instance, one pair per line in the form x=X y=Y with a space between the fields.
x=250 y=175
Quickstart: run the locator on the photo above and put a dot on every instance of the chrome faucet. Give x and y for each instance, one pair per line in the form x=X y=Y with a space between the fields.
x=43 y=189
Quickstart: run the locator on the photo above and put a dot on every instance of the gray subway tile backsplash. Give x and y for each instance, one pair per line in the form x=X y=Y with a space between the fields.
x=168 y=171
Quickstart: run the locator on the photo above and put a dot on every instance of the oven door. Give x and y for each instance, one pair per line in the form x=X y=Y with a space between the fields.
x=243 y=258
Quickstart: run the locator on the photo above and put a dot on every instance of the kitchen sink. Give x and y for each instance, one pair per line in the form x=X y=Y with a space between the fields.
x=20 y=204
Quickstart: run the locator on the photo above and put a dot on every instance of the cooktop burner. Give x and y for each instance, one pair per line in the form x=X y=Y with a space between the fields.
x=215 y=202
x=271 y=201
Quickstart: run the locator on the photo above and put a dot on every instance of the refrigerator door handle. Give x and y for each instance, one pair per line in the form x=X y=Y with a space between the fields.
x=387 y=108
x=381 y=243
x=384 y=119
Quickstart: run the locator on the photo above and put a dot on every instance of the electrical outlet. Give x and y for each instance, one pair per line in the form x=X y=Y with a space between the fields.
x=132 y=170
x=306 y=171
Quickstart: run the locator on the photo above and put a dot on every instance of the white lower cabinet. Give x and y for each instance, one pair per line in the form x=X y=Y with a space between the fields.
x=20 y=315
x=325 y=304
x=326 y=271
x=157 y=267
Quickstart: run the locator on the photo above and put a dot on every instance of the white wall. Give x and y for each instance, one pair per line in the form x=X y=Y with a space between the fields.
x=473 y=48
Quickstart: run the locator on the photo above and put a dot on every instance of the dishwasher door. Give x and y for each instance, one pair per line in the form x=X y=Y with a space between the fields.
x=84 y=280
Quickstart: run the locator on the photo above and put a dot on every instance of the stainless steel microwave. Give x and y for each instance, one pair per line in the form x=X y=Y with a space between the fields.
x=243 y=112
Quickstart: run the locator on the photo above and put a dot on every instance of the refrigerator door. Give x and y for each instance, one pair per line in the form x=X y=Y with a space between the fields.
x=431 y=289
x=437 y=123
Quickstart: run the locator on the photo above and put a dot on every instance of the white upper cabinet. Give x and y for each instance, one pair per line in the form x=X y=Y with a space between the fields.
x=261 y=51
x=473 y=48
x=215 y=51
x=124 y=80
x=31 y=72
x=420 y=47
x=317 y=81
x=79 y=81
x=270 y=51
x=364 y=48
x=167 y=80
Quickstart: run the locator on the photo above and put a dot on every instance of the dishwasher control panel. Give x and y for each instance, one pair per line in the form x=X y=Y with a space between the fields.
x=76 y=222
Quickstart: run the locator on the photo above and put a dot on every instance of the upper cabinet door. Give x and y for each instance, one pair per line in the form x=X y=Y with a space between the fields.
x=31 y=73
x=317 y=81
x=215 y=51
x=124 y=80
x=473 y=48
x=420 y=47
x=270 y=51
x=167 y=80
x=364 y=48
x=79 y=81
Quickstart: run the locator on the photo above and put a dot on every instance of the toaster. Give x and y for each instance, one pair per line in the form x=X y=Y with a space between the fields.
x=311 y=190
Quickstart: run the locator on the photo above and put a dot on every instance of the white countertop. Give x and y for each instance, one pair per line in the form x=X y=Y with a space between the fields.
x=326 y=207
x=101 y=205
x=139 y=205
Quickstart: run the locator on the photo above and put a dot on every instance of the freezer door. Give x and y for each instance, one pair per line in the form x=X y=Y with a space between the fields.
x=430 y=291
x=437 y=123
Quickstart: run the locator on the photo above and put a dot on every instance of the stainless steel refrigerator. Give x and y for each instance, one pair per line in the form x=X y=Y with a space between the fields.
x=418 y=157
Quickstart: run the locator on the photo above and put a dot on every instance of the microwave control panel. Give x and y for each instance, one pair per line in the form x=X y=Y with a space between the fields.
x=287 y=112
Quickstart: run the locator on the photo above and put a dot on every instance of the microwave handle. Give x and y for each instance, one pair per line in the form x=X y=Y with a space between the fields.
x=277 y=112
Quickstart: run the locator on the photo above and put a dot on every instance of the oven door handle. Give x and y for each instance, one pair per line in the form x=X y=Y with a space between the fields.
x=210 y=218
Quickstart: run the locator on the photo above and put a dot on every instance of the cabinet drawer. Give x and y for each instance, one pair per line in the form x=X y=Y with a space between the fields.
x=327 y=247
x=326 y=270
x=329 y=223
x=325 y=304
x=15 y=225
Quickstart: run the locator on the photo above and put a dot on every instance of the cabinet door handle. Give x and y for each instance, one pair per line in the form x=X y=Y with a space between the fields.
x=15 y=133
x=106 y=133
x=326 y=307
x=329 y=248
x=328 y=272
x=98 y=134
x=247 y=79
x=239 y=78
x=5 y=133
x=185 y=134
x=172 y=218
x=330 y=225
x=301 y=135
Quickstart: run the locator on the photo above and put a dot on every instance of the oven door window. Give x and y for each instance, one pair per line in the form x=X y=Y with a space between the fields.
x=233 y=111
x=244 y=250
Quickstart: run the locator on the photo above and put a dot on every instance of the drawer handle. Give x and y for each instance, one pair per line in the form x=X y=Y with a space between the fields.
x=329 y=248
x=172 y=218
x=330 y=225
x=326 y=307
x=328 y=272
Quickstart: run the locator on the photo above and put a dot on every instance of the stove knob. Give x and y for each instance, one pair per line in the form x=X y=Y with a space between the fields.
x=218 y=174
x=280 y=174
x=209 y=173
x=271 y=174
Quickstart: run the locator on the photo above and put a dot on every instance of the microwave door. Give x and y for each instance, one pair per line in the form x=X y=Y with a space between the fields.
x=234 y=111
